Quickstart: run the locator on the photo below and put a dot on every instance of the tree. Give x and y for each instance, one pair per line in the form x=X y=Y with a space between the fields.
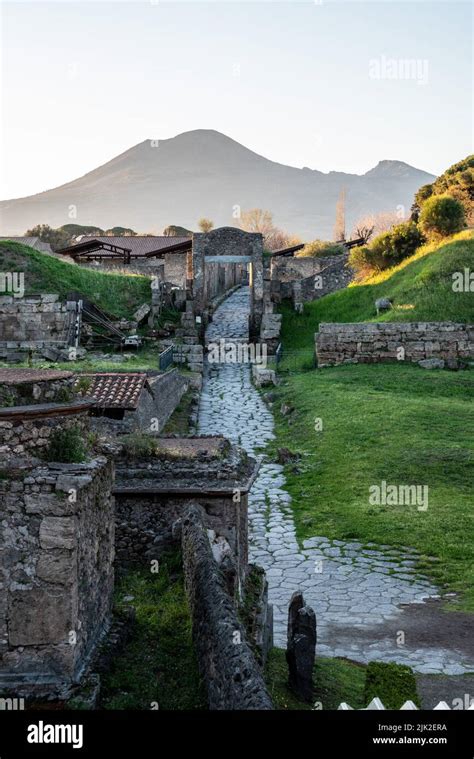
x=441 y=216
x=457 y=181
x=340 y=225
x=120 y=232
x=175 y=231
x=205 y=225
x=260 y=221
x=377 y=223
x=57 y=238
x=363 y=233
x=387 y=249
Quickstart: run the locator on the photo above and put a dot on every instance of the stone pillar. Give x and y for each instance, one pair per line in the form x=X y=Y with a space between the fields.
x=56 y=572
x=301 y=647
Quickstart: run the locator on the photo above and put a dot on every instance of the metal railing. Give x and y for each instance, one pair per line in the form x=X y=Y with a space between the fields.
x=165 y=358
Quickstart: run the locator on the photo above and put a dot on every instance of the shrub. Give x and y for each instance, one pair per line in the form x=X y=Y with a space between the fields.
x=139 y=445
x=67 y=445
x=388 y=249
x=321 y=248
x=392 y=683
x=441 y=216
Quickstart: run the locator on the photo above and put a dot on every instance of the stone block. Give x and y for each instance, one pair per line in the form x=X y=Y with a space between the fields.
x=56 y=567
x=58 y=532
x=39 y=616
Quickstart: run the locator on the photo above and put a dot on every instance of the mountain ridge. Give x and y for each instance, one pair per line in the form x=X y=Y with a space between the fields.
x=204 y=172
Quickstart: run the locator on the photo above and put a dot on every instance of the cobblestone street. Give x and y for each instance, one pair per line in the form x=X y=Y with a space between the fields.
x=363 y=596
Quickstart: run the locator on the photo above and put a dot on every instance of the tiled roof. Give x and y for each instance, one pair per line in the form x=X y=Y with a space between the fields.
x=32 y=242
x=21 y=376
x=115 y=389
x=139 y=245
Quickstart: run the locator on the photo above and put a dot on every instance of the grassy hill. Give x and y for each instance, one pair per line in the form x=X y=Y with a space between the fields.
x=420 y=289
x=118 y=294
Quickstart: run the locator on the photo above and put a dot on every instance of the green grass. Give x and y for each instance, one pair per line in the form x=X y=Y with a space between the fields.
x=420 y=289
x=335 y=680
x=390 y=422
x=118 y=294
x=158 y=665
x=392 y=683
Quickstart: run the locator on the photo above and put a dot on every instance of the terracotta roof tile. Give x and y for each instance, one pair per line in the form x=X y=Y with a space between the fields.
x=115 y=389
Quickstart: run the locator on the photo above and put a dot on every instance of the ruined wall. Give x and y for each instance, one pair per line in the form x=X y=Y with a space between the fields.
x=32 y=436
x=307 y=279
x=144 y=524
x=230 y=671
x=25 y=392
x=26 y=323
x=373 y=343
x=56 y=570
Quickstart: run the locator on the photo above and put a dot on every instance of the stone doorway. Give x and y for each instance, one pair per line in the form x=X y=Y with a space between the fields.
x=227 y=254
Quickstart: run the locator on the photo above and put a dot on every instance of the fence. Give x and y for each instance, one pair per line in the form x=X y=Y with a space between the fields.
x=165 y=358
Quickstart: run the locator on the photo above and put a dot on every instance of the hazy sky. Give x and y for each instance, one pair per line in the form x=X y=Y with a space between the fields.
x=325 y=85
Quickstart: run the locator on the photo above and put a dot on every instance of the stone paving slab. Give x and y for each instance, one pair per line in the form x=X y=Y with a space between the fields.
x=358 y=592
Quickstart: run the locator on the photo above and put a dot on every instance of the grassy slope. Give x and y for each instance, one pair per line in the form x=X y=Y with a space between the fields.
x=420 y=289
x=118 y=294
x=386 y=422
x=158 y=664
x=393 y=422
x=335 y=680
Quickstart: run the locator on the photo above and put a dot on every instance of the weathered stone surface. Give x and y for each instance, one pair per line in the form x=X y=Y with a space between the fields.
x=56 y=567
x=391 y=341
x=39 y=616
x=58 y=532
x=227 y=664
x=383 y=304
x=301 y=647
x=431 y=363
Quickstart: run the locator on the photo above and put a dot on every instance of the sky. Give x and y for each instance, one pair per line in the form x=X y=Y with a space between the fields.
x=335 y=86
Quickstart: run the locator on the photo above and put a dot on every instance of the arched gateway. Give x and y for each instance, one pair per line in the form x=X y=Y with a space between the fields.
x=236 y=250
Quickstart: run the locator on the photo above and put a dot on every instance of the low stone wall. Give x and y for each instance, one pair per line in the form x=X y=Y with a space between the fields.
x=394 y=341
x=19 y=436
x=56 y=572
x=335 y=276
x=32 y=323
x=307 y=279
x=227 y=664
x=24 y=387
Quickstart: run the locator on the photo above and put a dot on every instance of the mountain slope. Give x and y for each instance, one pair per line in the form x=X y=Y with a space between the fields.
x=203 y=172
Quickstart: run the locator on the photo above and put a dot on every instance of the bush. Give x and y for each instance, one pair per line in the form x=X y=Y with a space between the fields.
x=138 y=445
x=321 y=248
x=441 y=216
x=67 y=445
x=392 y=683
x=388 y=249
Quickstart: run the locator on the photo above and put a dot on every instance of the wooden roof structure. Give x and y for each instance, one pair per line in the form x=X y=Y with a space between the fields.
x=126 y=248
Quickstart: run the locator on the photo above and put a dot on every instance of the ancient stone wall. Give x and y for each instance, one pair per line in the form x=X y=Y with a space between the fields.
x=152 y=493
x=307 y=279
x=228 y=666
x=24 y=392
x=393 y=341
x=56 y=570
x=34 y=322
x=20 y=436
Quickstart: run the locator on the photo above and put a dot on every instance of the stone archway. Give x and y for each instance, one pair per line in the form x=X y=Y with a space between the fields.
x=233 y=247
